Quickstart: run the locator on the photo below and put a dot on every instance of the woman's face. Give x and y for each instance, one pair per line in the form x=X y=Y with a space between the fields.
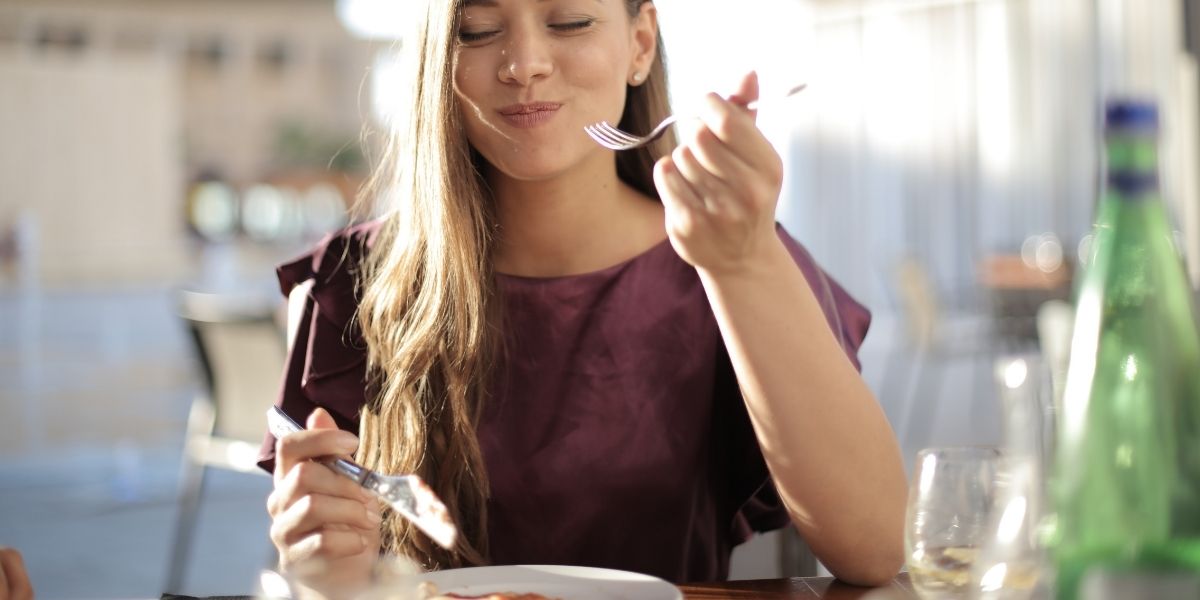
x=530 y=74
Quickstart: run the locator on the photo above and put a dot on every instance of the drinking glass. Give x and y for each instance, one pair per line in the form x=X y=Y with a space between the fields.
x=392 y=578
x=950 y=505
x=1014 y=563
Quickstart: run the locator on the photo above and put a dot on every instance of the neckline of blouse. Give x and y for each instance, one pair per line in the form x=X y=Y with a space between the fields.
x=572 y=277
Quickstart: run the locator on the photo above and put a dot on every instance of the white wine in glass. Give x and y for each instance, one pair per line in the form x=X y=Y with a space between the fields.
x=949 y=506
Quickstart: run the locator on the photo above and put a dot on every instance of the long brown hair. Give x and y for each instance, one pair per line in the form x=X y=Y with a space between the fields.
x=429 y=311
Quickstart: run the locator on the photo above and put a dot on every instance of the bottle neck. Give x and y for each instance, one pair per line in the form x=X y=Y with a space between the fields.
x=1132 y=164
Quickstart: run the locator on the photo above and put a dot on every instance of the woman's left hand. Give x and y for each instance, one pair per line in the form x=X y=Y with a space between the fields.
x=721 y=185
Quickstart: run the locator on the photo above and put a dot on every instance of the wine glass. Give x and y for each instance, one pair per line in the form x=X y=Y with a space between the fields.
x=950 y=504
x=1014 y=563
x=392 y=578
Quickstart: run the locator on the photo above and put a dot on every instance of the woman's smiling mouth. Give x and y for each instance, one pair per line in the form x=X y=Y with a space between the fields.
x=529 y=115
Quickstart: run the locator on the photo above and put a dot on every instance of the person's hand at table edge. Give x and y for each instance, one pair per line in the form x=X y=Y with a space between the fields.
x=14 y=579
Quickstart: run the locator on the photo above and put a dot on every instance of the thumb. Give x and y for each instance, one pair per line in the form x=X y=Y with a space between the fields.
x=320 y=418
x=747 y=90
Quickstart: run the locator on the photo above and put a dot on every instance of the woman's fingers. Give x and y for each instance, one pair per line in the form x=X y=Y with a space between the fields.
x=323 y=438
x=706 y=185
x=319 y=513
x=326 y=544
x=717 y=157
x=678 y=194
x=320 y=418
x=747 y=90
x=716 y=195
x=735 y=127
x=14 y=579
x=308 y=478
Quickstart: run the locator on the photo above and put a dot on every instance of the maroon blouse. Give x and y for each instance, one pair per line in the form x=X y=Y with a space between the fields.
x=617 y=436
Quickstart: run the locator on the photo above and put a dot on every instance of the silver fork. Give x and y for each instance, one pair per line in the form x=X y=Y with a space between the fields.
x=407 y=494
x=614 y=139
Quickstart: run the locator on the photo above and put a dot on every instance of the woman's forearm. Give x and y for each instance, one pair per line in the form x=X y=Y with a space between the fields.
x=827 y=443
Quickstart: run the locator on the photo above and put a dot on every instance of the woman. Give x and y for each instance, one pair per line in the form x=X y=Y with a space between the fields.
x=595 y=358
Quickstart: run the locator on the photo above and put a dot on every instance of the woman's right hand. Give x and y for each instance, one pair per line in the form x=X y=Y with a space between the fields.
x=325 y=527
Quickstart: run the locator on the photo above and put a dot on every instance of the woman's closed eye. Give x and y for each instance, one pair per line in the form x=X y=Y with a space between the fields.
x=473 y=37
x=476 y=36
x=573 y=26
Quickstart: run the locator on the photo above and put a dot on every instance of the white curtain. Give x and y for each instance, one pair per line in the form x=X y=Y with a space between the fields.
x=938 y=130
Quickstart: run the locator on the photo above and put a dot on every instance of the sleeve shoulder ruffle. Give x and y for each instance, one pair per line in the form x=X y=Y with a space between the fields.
x=326 y=365
x=848 y=319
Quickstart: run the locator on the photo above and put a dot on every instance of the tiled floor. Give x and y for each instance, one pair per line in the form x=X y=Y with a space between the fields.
x=90 y=440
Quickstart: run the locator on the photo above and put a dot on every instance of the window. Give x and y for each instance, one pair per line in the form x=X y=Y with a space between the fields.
x=275 y=56
x=62 y=37
x=210 y=52
x=135 y=41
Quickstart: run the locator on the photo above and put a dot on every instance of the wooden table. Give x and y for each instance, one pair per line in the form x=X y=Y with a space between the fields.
x=798 y=588
x=795 y=588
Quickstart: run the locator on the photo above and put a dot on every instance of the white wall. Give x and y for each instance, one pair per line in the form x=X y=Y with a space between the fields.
x=91 y=152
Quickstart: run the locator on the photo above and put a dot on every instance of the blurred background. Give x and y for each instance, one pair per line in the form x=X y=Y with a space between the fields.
x=159 y=157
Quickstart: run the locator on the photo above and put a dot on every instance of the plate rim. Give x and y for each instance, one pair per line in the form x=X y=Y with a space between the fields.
x=564 y=570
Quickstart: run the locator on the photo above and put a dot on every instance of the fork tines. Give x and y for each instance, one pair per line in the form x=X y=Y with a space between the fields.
x=610 y=137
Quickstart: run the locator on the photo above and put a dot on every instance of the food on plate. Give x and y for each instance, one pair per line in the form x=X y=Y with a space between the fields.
x=500 y=596
x=430 y=592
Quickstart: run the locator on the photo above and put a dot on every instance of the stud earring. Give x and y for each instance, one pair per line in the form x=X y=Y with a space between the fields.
x=637 y=77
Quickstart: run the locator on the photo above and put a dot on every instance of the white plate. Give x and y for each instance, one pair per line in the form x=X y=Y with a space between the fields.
x=553 y=581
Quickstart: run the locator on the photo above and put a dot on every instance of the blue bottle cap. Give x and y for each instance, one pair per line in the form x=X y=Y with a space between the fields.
x=1131 y=114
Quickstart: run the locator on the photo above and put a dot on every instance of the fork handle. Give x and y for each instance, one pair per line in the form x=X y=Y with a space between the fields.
x=348 y=468
x=754 y=104
x=281 y=426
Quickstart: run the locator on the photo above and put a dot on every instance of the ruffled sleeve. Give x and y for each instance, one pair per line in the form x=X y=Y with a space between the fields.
x=753 y=490
x=326 y=365
x=848 y=319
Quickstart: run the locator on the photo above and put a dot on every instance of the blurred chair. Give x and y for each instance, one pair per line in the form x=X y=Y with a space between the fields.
x=932 y=338
x=239 y=344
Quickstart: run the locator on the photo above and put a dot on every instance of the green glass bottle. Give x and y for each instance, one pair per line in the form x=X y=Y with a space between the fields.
x=1127 y=480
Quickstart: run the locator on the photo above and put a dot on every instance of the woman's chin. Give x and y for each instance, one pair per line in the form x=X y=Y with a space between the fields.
x=534 y=169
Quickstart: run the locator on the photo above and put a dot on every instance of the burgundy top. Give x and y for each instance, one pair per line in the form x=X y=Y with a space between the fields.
x=618 y=437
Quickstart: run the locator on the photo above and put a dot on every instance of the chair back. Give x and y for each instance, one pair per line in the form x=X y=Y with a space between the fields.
x=241 y=349
x=918 y=301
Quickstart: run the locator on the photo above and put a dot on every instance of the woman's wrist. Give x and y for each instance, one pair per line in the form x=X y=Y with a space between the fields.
x=766 y=258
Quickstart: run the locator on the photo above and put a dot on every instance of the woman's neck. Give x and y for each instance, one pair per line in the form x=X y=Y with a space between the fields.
x=577 y=222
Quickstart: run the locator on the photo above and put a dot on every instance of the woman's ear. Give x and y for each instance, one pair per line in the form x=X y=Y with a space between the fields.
x=644 y=42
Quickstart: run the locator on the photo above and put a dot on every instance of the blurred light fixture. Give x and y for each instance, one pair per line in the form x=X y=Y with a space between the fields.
x=324 y=209
x=1049 y=255
x=1029 y=250
x=1015 y=373
x=271 y=213
x=1043 y=252
x=213 y=210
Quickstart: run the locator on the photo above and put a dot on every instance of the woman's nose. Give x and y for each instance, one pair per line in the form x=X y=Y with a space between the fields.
x=526 y=58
